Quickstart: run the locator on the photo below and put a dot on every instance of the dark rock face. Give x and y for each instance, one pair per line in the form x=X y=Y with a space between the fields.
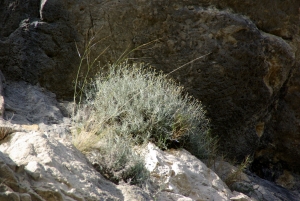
x=280 y=142
x=35 y=50
x=238 y=82
x=280 y=18
x=241 y=79
x=248 y=79
x=260 y=189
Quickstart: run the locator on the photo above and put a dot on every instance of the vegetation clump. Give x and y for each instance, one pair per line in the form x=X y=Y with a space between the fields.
x=132 y=105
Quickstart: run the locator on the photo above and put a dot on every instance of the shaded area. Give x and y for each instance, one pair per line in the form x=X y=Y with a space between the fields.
x=38 y=49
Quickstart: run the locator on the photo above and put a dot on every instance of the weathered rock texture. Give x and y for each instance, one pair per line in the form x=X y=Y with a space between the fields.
x=34 y=166
x=38 y=163
x=248 y=81
x=281 y=139
x=37 y=44
x=44 y=169
x=28 y=104
x=252 y=55
x=252 y=185
x=179 y=175
x=35 y=108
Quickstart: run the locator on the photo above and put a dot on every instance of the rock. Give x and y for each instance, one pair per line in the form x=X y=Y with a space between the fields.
x=25 y=197
x=286 y=180
x=248 y=80
x=9 y=196
x=179 y=174
x=240 y=197
x=251 y=186
x=35 y=109
x=2 y=84
x=266 y=190
x=250 y=59
x=7 y=174
x=35 y=169
x=37 y=44
x=276 y=17
x=133 y=193
x=28 y=104
x=240 y=78
x=37 y=164
x=32 y=127
x=58 y=171
x=167 y=196
x=279 y=149
x=228 y=173
x=243 y=82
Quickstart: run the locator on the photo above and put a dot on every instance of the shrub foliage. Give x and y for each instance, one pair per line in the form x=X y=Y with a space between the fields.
x=133 y=102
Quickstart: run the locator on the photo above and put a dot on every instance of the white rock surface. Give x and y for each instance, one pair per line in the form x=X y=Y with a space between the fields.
x=240 y=197
x=50 y=168
x=29 y=104
x=38 y=163
x=167 y=196
x=55 y=170
x=181 y=176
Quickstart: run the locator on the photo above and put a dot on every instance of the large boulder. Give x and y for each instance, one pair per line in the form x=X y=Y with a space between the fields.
x=181 y=176
x=247 y=79
x=37 y=162
x=37 y=44
x=38 y=167
x=43 y=168
x=252 y=185
x=245 y=67
x=279 y=149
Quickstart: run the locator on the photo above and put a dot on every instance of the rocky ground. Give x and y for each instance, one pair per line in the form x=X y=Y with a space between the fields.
x=248 y=82
x=38 y=162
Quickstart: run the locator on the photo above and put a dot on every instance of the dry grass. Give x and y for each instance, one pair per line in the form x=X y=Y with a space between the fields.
x=85 y=141
x=235 y=176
